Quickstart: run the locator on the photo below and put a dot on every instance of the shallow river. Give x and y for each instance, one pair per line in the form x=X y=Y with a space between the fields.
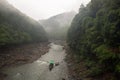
x=39 y=70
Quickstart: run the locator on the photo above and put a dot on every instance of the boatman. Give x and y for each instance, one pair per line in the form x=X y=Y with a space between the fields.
x=51 y=65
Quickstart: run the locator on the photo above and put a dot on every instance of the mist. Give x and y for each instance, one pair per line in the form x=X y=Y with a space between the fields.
x=59 y=40
x=43 y=9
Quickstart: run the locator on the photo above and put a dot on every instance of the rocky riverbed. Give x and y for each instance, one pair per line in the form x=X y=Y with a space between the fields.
x=39 y=69
x=22 y=54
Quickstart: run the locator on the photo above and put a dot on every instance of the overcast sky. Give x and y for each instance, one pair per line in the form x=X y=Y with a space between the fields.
x=42 y=9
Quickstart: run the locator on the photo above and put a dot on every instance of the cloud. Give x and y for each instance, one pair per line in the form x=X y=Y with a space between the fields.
x=39 y=9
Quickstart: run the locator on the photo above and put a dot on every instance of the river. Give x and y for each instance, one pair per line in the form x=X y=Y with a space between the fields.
x=39 y=69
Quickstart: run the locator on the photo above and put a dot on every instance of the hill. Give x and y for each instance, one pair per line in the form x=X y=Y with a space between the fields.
x=95 y=37
x=58 y=25
x=17 y=28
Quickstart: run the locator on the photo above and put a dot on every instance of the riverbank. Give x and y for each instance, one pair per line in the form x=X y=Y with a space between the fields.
x=79 y=71
x=76 y=67
x=22 y=54
x=39 y=69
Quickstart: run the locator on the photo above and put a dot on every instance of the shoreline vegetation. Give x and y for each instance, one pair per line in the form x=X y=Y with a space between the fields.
x=94 y=36
x=77 y=69
x=22 y=39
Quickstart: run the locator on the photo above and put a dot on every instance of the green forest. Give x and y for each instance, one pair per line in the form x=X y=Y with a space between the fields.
x=95 y=36
x=17 y=28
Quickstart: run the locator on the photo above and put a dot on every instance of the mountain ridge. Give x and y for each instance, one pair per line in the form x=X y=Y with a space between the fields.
x=60 y=17
x=17 y=28
x=57 y=26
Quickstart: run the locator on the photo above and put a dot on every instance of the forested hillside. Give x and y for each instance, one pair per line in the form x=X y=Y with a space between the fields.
x=57 y=26
x=95 y=36
x=17 y=28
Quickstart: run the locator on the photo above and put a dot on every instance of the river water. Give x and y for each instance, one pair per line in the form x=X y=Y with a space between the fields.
x=39 y=70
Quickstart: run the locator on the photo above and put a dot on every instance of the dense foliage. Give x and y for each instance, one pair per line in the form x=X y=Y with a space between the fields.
x=95 y=36
x=17 y=28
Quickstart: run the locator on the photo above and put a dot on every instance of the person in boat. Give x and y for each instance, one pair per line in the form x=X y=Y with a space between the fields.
x=51 y=65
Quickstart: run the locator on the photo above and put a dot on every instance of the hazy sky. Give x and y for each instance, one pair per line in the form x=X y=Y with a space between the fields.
x=42 y=9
